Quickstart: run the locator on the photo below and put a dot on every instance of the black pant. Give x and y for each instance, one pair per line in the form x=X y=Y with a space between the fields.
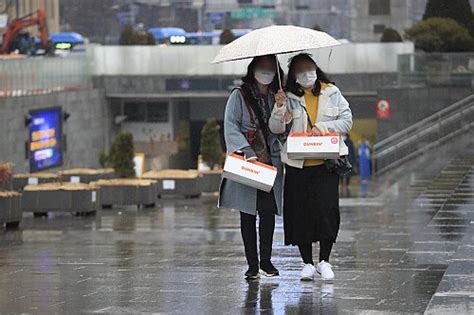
x=306 y=251
x=266 y=227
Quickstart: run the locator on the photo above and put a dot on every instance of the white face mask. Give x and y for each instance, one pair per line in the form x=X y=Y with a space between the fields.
x=264 y=77
x=306 y=79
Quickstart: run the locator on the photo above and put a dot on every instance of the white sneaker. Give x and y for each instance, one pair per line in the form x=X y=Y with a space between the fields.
x=325 y=270
x=307 y=274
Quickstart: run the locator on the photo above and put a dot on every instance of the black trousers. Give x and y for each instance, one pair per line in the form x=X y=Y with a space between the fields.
x=306 y=251
x=266 y=209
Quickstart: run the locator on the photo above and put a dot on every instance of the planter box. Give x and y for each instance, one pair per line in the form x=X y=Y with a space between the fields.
x=80 y=201
x=210 y=181
x=128 y=193
x=86 y=175
x=10 y=210
x=176 y=182
x=19 y=181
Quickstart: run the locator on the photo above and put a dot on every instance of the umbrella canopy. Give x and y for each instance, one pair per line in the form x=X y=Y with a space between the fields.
x=277 y=39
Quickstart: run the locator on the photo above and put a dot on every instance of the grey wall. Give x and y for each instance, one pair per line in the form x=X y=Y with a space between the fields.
x=87 y=129
x=153 y=84
x=410 y=105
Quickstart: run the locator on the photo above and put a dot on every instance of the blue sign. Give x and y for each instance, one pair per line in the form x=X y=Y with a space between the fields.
x=45 y=134
x=216 y=17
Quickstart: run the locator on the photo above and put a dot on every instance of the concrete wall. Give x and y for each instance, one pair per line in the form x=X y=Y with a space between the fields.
x=196 y=60
x=410 y=105
x=155 y=84
x=87 y=129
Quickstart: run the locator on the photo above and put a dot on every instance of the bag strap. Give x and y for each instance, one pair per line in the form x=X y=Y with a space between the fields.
x=247 y=104
x=307 y=116
x=252 y=108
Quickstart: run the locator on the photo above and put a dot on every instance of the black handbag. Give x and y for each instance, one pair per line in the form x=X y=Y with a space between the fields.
x=340 y=166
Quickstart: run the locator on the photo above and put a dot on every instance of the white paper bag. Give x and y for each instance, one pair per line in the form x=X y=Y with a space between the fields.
x=302 y=146
x=254 y=174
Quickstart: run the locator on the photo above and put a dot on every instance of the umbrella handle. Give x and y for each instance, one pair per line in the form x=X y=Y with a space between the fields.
x=278 y=72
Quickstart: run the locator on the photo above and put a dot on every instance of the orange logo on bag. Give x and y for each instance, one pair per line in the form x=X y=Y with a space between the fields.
x=312 y=144
x=250 y=170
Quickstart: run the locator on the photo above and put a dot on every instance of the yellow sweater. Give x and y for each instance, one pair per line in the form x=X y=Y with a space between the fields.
x=312 y=103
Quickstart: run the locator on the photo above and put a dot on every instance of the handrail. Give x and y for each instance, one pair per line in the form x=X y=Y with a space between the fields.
x=442 y=113
x=423 y=135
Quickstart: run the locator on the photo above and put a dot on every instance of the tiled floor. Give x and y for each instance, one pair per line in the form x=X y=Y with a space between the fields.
x=186 y=256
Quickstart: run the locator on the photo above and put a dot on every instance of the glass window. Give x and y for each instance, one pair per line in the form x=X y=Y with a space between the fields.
x=157 y=112
x=379 y=28
x=379 y=7
x=135 y=111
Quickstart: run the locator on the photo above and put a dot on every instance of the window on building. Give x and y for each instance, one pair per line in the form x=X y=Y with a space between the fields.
x=379 y=7
x=379 y=28
x=135 y=111
x=146 y=111
x=157 y=112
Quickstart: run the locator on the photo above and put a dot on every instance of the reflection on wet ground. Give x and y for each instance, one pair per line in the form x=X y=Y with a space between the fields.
x=185 y=256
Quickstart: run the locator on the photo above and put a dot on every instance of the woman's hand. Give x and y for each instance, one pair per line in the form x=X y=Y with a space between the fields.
x=251 y=159
x=316 y=132
x=280 y=98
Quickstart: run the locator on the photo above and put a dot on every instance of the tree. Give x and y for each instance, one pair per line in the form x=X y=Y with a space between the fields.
x=103 y=159
x=227 y=36
x=458 y=10
x=131 y=37
x=182 y=159
x=391 y=35
x=126 y=37
x=211 y=148
x=317 y=27
x=121 y=155
x=440 y=35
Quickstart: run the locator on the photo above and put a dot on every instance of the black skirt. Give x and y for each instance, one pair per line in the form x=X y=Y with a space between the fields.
x=311 y=205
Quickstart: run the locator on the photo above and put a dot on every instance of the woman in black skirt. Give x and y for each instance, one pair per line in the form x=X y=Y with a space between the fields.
x=311 y=190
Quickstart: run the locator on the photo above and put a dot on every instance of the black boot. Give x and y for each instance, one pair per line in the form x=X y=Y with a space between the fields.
x=252 y=272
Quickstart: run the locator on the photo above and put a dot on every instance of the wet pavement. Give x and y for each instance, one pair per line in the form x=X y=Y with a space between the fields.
x=406 y=249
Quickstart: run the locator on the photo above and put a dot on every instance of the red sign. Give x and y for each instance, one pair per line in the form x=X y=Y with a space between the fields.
x=384 y=109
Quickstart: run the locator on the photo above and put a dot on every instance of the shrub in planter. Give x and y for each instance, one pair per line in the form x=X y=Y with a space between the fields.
x=121 y=155
x=5 y=176
x=211 y=147
x=391 y=35
x=182 y=159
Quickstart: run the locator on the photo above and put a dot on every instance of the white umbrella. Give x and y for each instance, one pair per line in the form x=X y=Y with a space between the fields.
x=277 y=39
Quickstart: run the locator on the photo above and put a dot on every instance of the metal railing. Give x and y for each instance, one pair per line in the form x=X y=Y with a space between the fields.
x=424 y=135
x=42 y=75
x=436 y=69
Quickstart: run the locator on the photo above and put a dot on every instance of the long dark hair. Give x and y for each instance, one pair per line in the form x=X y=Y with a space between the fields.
x=291 y=84
x=250 y=76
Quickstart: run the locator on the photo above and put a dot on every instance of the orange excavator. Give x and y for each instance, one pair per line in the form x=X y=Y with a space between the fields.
x=18 y=24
